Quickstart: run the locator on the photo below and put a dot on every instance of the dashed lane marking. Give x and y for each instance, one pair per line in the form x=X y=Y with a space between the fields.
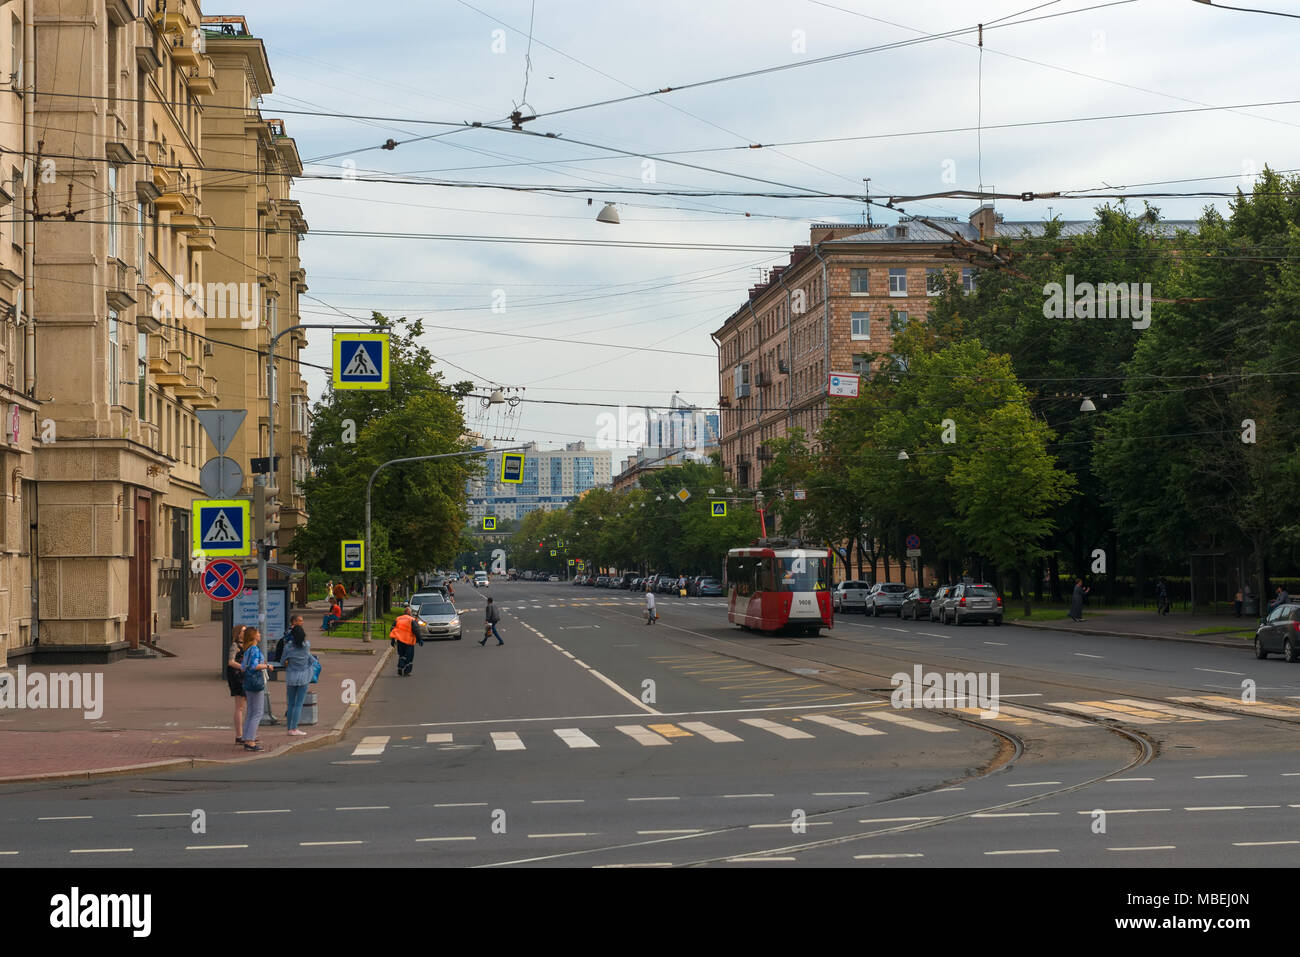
x=574 y=738
x=772 y=727
x=371 y=745
x=507 y=741
x=841 y=725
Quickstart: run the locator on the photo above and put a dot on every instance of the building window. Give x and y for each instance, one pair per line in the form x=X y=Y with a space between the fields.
x=861 y=365
x=898 y=282
x=139 y=228
x=112 y=211
x=968 y=280
x=141 y=373
x=898 y=320
x=860 y=325
x=933 y=281
x=858 y=282
x=113 y=346
x=20 y=205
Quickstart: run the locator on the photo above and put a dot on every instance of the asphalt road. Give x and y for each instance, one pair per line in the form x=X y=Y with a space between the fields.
x=593 y=739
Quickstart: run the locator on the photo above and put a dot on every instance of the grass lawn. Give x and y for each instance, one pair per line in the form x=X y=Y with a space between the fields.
x=1243 y=632
x=1040 y=613
x=354 y=628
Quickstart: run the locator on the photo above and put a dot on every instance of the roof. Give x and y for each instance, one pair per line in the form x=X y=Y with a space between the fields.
x=914 y=231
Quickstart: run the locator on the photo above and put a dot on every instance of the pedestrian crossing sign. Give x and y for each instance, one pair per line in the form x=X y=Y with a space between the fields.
x=489 y=524
x=719 y=509
x=220 y=528
x=512 y=467
x=354 y=556
x=361 y=360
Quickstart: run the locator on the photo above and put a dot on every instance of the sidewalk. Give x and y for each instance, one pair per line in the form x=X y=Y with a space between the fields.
x=177 y=712
x=1145 y=623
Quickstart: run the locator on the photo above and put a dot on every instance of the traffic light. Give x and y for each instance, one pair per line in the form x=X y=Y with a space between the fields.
x=266 y=511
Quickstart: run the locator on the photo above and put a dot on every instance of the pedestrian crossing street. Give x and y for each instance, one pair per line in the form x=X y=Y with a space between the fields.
x=855 y=723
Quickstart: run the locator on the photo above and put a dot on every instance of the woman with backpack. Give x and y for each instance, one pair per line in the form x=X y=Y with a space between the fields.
x=299 y=665
x=235 y=679
x=254 y=667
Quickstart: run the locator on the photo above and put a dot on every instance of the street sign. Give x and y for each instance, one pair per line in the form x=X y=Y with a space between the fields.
x=570 y=560
x=553 y=555
x=719 y=509
x=512 y=467
x=800 y=494
x=489 y=524
x=913 y=553
x=221 y=477
x=223 y=580
x=220 y=528
x=354 y=556
x=843 y=385
x=361 y=360
x=913 y=541
x=221 y=425
x=683 y=495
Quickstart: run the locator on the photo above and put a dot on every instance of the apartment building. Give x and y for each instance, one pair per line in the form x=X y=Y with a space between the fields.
x=551 y=479
x=257 y=262
x=839 y=299
x=118 y=235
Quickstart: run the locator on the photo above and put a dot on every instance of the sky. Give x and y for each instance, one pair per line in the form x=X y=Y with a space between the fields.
x=558 y=323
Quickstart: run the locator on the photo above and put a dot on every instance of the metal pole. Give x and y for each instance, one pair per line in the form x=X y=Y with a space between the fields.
x=370 y=485
x=264 y=547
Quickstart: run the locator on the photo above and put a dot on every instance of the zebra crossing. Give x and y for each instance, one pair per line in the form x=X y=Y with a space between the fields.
x=870 y=722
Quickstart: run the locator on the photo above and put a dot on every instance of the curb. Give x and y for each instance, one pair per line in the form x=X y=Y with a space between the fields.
x=333 y=736
x=1243 y=643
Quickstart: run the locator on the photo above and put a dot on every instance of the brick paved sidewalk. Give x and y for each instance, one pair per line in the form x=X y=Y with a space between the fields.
x=177 y=709
x=1147 y=624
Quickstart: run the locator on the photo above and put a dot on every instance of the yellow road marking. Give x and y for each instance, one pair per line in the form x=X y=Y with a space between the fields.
x=669 y=730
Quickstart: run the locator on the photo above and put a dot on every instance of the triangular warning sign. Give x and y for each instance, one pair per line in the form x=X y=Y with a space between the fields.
x=361 y=364
x=221 y=531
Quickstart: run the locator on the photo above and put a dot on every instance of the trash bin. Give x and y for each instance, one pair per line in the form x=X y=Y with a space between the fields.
x=1250 y=606
x=308 y=715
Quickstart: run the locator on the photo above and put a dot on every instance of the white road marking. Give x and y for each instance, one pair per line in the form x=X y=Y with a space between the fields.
x=1130 y=810
x=1100 y=712
x=772 y=727
x=1032 y=784
x=1152 y=847
x=574 y=738
x=895 y=820
x=326 y=843
x=1126 y=780
x=1214 y=777
x=1000 y=644
x=1171 y=709
x=1056 y=719
x=709 y=732
x=748 y=795
x=882 y=857
x=562 y=801
x=905 y=721
x=757 y=860
x=831 y=794
x=426 y=840
x=683 y=830
x=665 y=714
x=434 y=737
x=642 y=735
x=507 y=741
x=569 y=834
x=1036 y=850
x=1235 y=807
x=1216 y=671
x=215 y=847
x=655 y=799
x=466 y=804
x=70 y=817
x=841 y=725
x=102 y=850
x=168 y=814
x=1019 y=814
x=1261 y=843
x=371 y=745
x=787 y=824
x=278 y=810
x=1080 y=654
x=374 y=807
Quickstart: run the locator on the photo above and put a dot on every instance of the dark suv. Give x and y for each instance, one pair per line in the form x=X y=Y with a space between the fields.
x=974 y=603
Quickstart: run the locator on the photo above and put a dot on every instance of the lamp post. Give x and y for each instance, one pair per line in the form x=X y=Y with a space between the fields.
x=370 y=485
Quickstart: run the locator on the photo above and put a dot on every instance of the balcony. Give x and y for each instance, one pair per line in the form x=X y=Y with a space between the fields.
x=199 y=229
x=184 y=56
x=764 y=454
x=120 y=285
x=202 y=78
x=174 y=201
x=158 y=358
x=161 y=176
x=191 y=384
x=168 y=19
x=146 y=186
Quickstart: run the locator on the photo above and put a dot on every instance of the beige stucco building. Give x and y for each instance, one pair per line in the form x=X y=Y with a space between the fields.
x=115 y=320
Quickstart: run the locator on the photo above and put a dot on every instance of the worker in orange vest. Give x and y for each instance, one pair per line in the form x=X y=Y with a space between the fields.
x=404 y=638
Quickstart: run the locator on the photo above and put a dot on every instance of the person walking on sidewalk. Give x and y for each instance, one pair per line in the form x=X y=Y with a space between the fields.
x=339 y=594
x=491 y=617
x=254 y=666
x=1162 y=597
x=650 y=613
x=235 y=679
x=404 y=638
x=1076 y=600
x=298 y=664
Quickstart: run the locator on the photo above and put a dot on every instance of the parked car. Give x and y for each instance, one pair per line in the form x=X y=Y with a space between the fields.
x=850 y=596
x=553 y=578
x=709 y=588
x=885 y=597
x=978 y=602
x=939 y=603
x=436 y=618
x=916 y=604
x=1279 y=633
x=578 y=579
x=602 y=581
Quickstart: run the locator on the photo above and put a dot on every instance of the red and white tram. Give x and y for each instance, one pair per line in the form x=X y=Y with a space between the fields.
x=779 y=585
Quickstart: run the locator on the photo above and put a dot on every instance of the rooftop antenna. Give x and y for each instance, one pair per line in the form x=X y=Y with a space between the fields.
x=867 y=211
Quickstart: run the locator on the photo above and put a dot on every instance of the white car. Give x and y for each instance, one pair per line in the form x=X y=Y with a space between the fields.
x=480 y=579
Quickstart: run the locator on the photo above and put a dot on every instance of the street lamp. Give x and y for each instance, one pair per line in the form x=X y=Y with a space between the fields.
x=1087 y=405
x=608 y=215
x=903 y=456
